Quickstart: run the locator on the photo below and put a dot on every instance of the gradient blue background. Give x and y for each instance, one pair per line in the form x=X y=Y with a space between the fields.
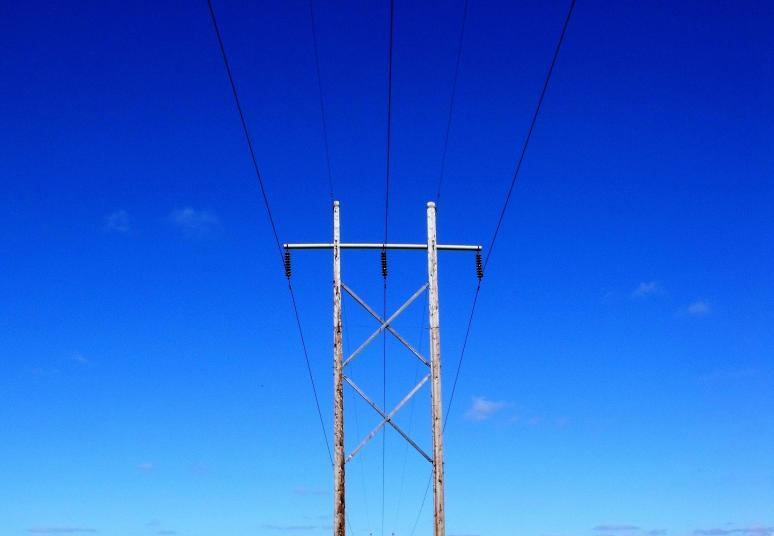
x=151 y=379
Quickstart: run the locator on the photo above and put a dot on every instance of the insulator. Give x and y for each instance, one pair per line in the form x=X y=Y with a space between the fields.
x=384 y=264
x=479 y=267
x=287 y=264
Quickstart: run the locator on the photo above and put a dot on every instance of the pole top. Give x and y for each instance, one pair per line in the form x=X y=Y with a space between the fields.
x=430 y=204
x=335 y=203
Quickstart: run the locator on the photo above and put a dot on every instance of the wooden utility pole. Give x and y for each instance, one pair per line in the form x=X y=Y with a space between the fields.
x=339 y=524
x=385 y=325
x=435 y=372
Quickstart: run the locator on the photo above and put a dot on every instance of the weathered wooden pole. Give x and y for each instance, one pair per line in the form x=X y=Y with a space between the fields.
x=338 y=386
x=435 y=371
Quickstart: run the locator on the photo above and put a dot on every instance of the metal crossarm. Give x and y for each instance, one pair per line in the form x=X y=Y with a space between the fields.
x=387 y=419
x=347 y=245
x=379 y=319
x=386 y=323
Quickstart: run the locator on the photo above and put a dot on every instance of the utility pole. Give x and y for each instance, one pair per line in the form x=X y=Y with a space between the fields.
x=339 y=523
x=435 y=371
x=339 y=363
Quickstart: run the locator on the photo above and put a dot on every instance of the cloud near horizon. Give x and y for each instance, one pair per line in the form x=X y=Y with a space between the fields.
x=293 y=528
x=79 y=358
x=194 y=222
x=305 y=491
x=698 y=308
x=482 y=409
x=647 y=288
x=118 y=222
x=615 y=527
x=61 y=530
x=755 y=530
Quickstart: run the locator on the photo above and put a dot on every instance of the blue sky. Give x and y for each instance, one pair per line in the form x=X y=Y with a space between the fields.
x=619 y=377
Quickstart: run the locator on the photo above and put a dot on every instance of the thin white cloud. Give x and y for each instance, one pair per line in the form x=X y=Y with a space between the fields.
x=194 y=222
x=305 y=491
x=482 y=409
x=200 y=468
x=698 y=308
x=146 y=467
x=42 y=371
x=728 y=376
x=614 y=527
x=118 y=222
x=754 y=530
x=647 y=288
x=291 y=528
x=61 y=530
x=79 y=358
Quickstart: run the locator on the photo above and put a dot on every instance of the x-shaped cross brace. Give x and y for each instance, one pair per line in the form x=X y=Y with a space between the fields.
x=386 y=325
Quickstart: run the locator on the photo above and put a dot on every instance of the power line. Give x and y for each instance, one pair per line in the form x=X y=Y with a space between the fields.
x=529 y=131
x=510 y=191
x=451 y=102
x=258 y=175
x=499 y=224
x=389 y=123
x=322 y=100
x=384 y=252
x=348 y=347
x=411 y=411
x=309 y=370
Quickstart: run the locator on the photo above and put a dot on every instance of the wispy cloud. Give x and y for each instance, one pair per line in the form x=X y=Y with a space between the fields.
x=200 y=468
x=194 y=222
x=118 y=222
x=79 y=358
x=648 y=288
x=146 y=467
x=698 y=308
x=166 y=532
x=305 y=491
x=657 y=532
x=729 y=376
x=754 y=530
x=291 y=528
x=614 y=527
x=482 y=409
x=61 y=530
x=42 y=371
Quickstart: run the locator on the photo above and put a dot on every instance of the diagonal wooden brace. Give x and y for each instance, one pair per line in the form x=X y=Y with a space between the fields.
x=388 y=418
x=379 y=319
x=386 y=323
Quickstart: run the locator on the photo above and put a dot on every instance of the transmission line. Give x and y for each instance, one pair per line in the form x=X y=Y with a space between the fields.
x=510 y=191
x=322 y=100
x=514 y=179
x=384 y=251
x=451 y=102
x=258 y=175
